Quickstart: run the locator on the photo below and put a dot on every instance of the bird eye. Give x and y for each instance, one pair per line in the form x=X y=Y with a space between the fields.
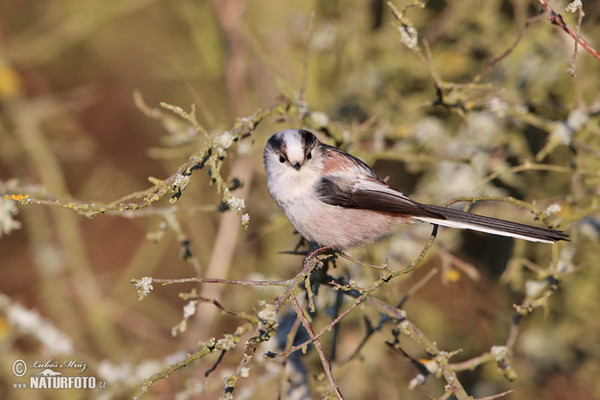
x=281 y=159
x=309 y=156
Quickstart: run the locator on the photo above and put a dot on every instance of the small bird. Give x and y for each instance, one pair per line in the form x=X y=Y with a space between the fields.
x=336 y=201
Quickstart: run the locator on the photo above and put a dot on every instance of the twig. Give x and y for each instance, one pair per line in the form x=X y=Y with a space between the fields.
x=529 y=166
x=362 y=263
x=365 y=295
x=385 y=317
x=421 y=256
x=265 y=330
x=417 y=286
x=306 y=269
x=291 y=336
x=329 y=326
x=496 y=396
x=580 y=14
x=205 y=349
x=449 y=261
x=508 y=199
x=441 y=358
x=318 y=346
x=221 y=281
x=335 y=312
x=216 y=364
x=173 y=185
x=470 y=364
x=499 y=58
x=557 y=19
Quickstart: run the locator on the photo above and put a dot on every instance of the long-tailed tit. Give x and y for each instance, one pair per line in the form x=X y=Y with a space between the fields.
x=336 y=201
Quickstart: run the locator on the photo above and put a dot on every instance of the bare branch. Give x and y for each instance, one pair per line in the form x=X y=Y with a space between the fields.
x=318 y=346
x=557 y=19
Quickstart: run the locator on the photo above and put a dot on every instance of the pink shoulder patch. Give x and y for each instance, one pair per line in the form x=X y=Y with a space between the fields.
x=336 y=162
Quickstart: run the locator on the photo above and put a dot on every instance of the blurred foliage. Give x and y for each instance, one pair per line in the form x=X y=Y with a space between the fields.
x=96 y=120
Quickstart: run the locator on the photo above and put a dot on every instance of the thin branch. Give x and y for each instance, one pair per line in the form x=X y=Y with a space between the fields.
x=205 y=349
x=508 y=199
x=496 y=396
x=289 y=341
x=441 y=358
x=221 y=281
x=362 y=263
x=329 y=326
x=529 y=166
x=472 y=363
x=365 y=295
x=499 y=58
x=384 y=317
x=173 y=185
x=318 y=346
x=422 y=282
x=580 y=14
x=308 y=266
x=557 y=19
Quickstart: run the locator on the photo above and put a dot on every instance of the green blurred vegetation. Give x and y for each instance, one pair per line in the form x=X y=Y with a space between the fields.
x=434 y=119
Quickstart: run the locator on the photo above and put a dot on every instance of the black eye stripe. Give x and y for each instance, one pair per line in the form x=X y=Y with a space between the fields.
x=277 y=144
x=308 y=139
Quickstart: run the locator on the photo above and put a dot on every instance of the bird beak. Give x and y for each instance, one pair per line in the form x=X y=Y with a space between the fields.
x=297 y=166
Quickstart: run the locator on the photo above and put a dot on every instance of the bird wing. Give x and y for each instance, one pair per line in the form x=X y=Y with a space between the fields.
x=368 y=193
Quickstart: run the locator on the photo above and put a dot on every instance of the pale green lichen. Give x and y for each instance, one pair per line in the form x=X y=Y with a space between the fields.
x=30 y=322
x=573 y=6
x=190 y=308
x=8 y=209
x=143 y=287
x=237 y=204
x=227 y=342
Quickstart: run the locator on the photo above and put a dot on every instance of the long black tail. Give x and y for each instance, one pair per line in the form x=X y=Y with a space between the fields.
x=464 y=220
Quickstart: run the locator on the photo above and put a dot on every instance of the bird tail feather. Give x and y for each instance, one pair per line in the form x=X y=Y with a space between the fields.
x=464 y=220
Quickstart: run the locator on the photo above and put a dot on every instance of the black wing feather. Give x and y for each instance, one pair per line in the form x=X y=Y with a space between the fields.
x=348 y=196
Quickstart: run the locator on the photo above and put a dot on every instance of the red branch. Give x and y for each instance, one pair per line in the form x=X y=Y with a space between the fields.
x=557 y=19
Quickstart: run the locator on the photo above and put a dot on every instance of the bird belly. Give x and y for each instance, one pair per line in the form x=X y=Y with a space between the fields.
x=335 y=226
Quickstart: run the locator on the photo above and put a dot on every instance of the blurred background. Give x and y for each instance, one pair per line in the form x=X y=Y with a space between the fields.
x=439 y=120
